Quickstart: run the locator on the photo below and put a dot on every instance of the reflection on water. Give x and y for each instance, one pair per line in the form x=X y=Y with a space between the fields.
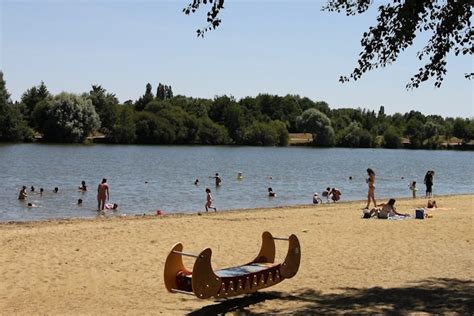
x=143 y=179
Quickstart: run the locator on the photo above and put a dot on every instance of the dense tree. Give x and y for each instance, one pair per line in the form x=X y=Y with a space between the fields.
x=262 y=120
x=12 y=126
x=391 y=138
x=463 y=129
x=123 y=131
x=145 y=99
x=398 y=23
x=211 y=133
x=67 y=117
x=317 y=123
x=30 y=99
x=104 y=104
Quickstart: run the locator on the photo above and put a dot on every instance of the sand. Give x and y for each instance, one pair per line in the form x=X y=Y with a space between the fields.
x=349 y=264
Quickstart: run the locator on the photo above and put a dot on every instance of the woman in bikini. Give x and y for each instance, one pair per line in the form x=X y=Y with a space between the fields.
x=371 y=183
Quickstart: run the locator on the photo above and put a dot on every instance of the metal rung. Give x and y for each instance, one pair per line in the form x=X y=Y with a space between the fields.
x=281 y=238
x=182 y=292
x=185 y=254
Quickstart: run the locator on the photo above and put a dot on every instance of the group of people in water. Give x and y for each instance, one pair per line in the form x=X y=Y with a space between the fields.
x=383 y=210
x=102 y=195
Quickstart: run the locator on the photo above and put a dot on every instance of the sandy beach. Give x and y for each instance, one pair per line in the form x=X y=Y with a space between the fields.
x=349 y=265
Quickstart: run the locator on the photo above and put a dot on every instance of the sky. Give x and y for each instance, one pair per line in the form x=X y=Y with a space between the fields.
x=262 y=46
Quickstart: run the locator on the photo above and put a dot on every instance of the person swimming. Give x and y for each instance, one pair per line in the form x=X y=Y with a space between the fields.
x=79 y=202
x=110 y=206
x=239 y=175
x=56 y=189
x=196 y=182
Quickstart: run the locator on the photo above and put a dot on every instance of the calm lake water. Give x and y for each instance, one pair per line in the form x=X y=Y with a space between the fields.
x=145 y=178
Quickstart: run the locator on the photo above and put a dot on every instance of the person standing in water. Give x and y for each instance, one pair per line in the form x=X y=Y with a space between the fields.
x=23 y=195
x=209 y=200
x=102 y=194
x=218 y=179
x=83 y=186
x=371 y=183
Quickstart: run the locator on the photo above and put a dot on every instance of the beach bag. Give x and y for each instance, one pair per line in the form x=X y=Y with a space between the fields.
x=420 y=213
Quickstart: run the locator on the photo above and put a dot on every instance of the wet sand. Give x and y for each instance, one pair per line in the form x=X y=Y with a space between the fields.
x=349 y=264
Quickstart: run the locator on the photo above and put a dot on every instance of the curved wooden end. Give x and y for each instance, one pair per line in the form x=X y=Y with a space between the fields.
x=204 y=281
x=267 y=250
x=173 y=265
x=292 y=261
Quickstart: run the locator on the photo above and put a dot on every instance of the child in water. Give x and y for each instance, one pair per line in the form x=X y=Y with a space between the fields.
x=326 y=194
x=271 y=193
x=413 y=189
x=209 y=200
x=316 y=199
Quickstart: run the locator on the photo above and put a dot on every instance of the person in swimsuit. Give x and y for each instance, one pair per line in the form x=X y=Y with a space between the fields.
x=209 y=200
x=335 y=195
x=371 y=183
x=218 y=179
x=271 y=193
x=83 y=186
x=102 y=194
x=386 y=210
x=23 y=195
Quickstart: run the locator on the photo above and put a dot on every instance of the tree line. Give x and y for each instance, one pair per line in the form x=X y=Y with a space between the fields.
x=264 y=120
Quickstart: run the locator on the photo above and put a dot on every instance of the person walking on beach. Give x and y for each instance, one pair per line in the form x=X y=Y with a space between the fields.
x=371 y=183
x=429 y=183
x=23 y=195
x=209 y=200
x=102 y=194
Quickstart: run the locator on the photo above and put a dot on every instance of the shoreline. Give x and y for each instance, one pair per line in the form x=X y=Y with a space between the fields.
x=99 y=217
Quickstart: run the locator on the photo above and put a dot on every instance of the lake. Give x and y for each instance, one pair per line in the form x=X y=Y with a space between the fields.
x=143 y=179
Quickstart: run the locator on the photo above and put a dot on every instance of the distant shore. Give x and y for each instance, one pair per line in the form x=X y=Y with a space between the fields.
x=349 y=264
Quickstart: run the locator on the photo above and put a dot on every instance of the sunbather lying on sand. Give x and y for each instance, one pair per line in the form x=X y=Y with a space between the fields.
x=385 y=211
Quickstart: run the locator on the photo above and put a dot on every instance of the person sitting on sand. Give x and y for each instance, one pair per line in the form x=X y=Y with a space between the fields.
x=335 y=195
x=23 y=195
x=83 y=186
x=316 y=199
x=271 y=193
x=431 y=204
x=384 y=211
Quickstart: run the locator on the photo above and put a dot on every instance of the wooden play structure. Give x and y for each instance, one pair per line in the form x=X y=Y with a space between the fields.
x=203 y=282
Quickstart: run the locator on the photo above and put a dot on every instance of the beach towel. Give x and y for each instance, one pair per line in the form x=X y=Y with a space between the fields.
x=398 y=217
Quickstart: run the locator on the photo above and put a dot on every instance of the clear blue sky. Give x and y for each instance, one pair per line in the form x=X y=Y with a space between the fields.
x=262 y=46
